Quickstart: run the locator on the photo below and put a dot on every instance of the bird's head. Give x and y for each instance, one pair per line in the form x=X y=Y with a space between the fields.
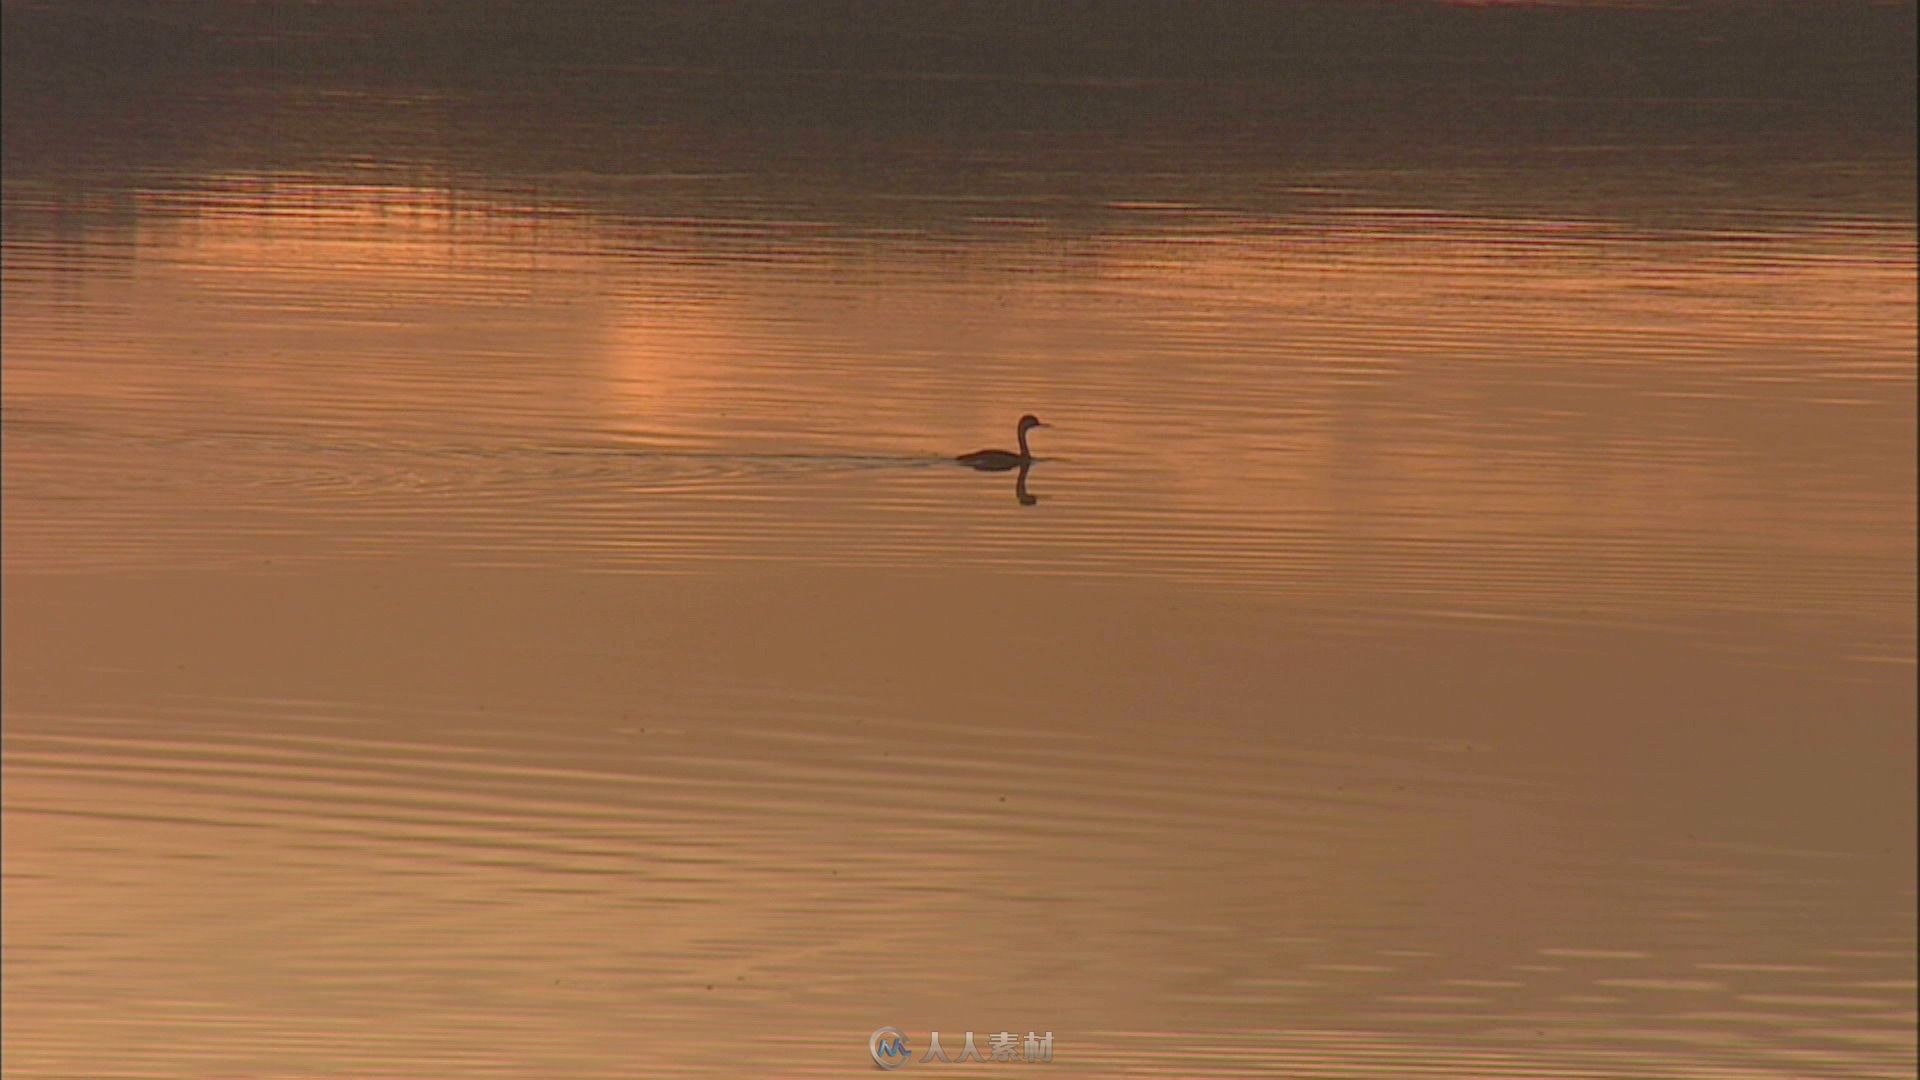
x=1029 y=422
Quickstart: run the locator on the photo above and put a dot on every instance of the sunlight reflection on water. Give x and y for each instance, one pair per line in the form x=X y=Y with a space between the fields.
x=503 y=605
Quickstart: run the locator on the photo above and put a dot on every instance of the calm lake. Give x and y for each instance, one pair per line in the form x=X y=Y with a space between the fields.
x=487 y=592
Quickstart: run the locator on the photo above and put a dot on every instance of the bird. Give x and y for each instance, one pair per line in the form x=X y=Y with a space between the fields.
x=1002 y=460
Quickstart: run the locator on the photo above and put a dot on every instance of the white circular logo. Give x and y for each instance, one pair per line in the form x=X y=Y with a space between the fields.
x=888 y=1046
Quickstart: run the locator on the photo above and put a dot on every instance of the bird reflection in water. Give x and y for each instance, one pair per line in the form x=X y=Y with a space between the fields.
x=1004 y=460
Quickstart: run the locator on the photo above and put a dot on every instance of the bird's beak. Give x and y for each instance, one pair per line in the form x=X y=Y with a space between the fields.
x=1042 y=424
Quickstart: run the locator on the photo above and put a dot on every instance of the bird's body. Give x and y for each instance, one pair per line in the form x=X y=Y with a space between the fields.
x=992 y=460
x=1002 y=460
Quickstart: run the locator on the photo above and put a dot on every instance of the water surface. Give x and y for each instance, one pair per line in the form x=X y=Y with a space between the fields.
x=486 y=594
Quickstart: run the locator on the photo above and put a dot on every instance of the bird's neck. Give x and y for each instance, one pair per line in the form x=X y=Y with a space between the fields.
x=1024 y=452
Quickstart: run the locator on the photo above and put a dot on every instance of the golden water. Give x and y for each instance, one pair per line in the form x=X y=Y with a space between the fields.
x=515 y=616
